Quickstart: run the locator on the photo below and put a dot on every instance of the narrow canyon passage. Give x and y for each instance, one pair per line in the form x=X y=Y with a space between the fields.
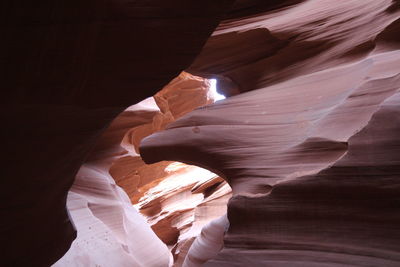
x=119 y=151
x=172 y=200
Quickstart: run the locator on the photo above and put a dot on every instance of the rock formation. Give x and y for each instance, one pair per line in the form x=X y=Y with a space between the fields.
x=312 y=152
x=308 y=141
x=177 y=199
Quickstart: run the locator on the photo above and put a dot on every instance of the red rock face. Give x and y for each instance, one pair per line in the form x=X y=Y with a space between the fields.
x=312 y=152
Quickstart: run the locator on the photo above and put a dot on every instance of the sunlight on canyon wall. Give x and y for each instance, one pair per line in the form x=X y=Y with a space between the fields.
x=174 y=200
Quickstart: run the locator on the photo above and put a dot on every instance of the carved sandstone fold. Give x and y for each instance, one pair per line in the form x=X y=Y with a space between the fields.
x=346 y=215
x=110 y=231
x=268 y=47
x=312 y=155
x=287 y=131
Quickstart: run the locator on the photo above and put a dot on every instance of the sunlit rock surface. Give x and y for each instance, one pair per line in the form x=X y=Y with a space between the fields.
x=110 y=231
x=182 y=203
x=313 y=151
x=174 y=199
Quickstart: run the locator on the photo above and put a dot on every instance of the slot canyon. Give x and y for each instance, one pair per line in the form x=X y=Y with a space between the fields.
x=200 y=133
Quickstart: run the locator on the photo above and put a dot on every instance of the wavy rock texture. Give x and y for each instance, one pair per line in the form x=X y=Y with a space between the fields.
x=110 y=231
x=178 y=206
x=108 y=227
x=176 y=199
x=311 y=150
x=313 y=154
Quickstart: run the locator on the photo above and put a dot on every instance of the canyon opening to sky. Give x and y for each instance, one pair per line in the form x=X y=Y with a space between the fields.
x=111 y=107
x=214 y=90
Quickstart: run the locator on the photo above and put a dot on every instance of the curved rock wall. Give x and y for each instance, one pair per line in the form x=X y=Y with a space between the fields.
x=312 y=152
